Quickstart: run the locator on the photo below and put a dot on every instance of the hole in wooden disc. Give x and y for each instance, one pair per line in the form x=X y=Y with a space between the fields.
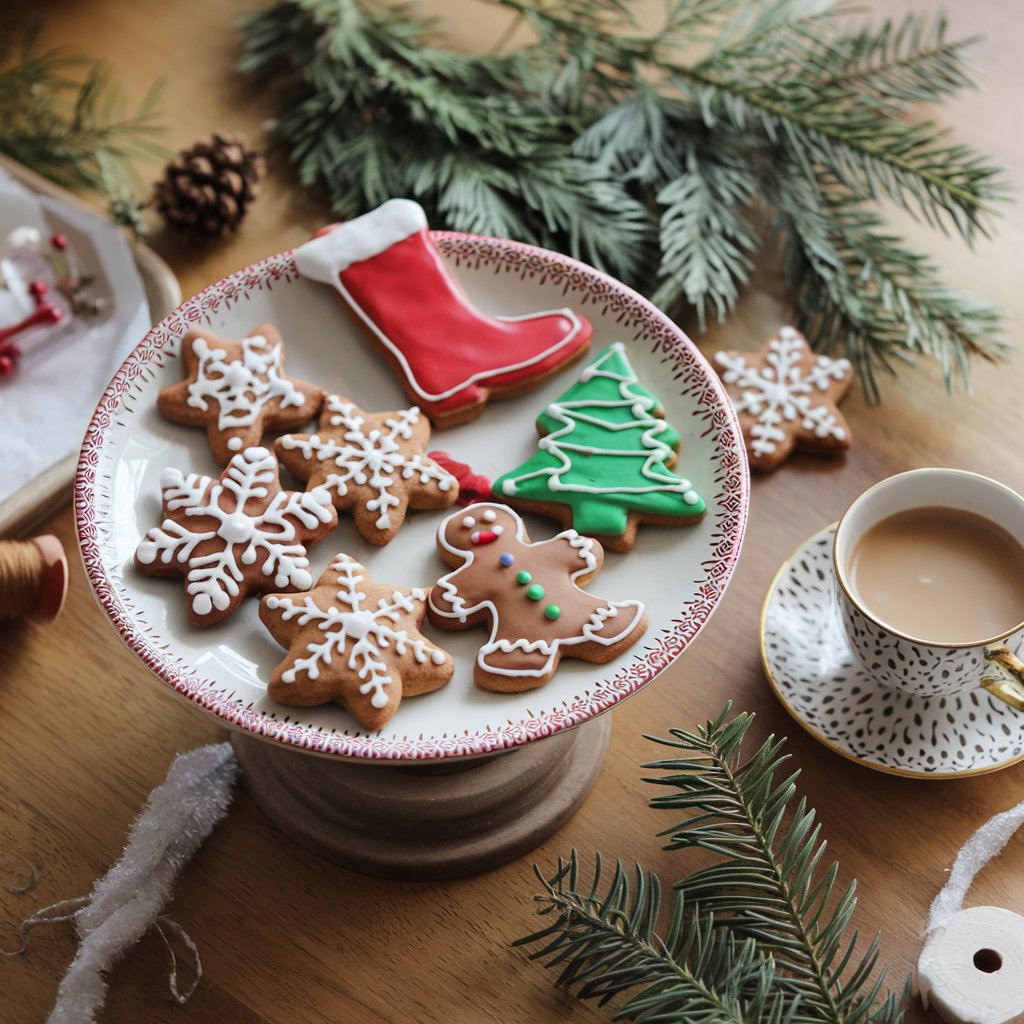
x=988 y=960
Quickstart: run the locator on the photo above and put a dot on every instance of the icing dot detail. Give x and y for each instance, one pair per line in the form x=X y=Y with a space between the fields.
x=489 y=516
x=235 y=444
x=552 y=612
x=535 y=592
x=506 y=559
x=469 y=522
x=523 y=576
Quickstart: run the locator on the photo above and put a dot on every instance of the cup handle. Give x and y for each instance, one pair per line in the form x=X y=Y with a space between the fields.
x=1008 y=684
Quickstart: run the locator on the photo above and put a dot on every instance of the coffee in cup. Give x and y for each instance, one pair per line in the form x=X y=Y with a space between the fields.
x=930 y=572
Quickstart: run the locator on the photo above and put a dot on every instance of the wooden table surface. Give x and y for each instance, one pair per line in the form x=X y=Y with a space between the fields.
x=289 y=939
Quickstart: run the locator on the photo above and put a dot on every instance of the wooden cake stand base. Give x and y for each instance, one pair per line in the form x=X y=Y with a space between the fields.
x=426 y=822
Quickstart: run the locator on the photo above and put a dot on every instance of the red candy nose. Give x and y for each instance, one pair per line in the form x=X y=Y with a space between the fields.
x=483 y=536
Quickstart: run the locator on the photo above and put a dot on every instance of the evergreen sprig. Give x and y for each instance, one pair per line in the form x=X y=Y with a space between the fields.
x=62 y=116
x=761 y=928
x=669 y=158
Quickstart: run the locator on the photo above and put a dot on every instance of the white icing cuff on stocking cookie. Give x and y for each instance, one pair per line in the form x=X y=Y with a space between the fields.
x=323 y=258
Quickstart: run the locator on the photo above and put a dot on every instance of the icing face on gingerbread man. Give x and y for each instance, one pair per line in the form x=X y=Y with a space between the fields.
x=529 y=594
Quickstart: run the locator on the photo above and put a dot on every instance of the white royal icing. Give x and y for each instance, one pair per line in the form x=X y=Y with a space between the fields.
x=373 y=457
x=782 y=392
x=213 y=579
x=356 y=633
x=362 y=238
x=241 y=386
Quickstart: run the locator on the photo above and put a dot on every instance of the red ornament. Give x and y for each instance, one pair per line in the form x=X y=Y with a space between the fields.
x=9 y=355
x=59 y=241
x=472 y=486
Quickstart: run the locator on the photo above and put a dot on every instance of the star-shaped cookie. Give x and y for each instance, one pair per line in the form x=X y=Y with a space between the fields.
x=355 y=642
x=237 y=390
x=785 y=397
x=372 y=463
x=236 y=534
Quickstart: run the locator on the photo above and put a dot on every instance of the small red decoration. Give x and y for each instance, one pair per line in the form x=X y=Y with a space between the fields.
x=472 y=486
x=59 y=241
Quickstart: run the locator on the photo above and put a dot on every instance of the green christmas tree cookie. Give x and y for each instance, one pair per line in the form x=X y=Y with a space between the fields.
x=603 y=460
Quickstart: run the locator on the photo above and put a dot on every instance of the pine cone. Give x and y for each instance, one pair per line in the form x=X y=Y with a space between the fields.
x=206 y=190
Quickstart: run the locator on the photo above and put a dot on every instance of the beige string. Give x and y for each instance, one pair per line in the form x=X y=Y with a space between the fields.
x=21 y=568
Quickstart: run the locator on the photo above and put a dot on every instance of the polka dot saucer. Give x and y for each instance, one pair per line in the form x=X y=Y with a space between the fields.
x=820 y=683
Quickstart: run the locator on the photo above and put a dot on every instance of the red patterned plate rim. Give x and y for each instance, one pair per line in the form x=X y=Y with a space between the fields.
x=630 y=310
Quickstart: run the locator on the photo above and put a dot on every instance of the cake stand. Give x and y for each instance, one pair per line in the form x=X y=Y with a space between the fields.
x=457 y=781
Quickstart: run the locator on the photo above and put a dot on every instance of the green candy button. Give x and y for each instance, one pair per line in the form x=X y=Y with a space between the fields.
x=523 y=576
x=552 y=611
x=535 y=593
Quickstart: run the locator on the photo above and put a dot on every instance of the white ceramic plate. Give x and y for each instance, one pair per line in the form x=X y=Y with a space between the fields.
x=680 y=573
x=820 y=683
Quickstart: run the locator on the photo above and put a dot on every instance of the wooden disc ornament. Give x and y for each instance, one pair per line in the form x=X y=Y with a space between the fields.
x=33 y=578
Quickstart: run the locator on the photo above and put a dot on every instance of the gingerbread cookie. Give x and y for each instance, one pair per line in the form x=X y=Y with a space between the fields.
x=529 y=595
x=353 y=641
x=452 y=358
x=603 y=460
x=785 y=397
x=237 y=389
x=234 y=535
x=372 y=463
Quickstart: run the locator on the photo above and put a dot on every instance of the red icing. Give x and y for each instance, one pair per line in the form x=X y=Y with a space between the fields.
x=472 y=486
x=483 y=537
x=414 y=300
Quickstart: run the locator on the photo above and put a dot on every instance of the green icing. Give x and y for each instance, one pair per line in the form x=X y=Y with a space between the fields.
x=604 y=453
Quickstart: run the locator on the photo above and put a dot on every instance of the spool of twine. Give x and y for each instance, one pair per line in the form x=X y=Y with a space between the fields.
x=33 y=578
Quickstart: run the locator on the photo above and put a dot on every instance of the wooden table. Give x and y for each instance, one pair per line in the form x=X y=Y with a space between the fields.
x=286 y=937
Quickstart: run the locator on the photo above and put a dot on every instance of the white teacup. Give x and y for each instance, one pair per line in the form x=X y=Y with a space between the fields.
x=930 y=636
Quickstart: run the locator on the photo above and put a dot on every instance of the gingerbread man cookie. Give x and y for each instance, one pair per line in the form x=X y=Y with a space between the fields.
x=238 y=389
x=529 y=594
x=234 y=535
x=372 y=463
x=785 y=396
x=353 y=641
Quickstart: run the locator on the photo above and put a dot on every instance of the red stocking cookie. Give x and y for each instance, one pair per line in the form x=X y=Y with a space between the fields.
x=355 y=642
x=229 y=536
x=785 y=397
x=528 y=594
x=372 y=463
x=451 y=356
x=237 y=389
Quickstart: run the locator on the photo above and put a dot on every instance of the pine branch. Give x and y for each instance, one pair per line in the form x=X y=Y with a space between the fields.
x=598 y=139
x=760 y=931
x=769 y=885
x=853 y=281
x=604 y=943
x=61 y=115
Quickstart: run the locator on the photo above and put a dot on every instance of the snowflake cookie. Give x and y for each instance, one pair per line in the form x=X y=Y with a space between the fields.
x=231 y=535
x=529 y=595
x=238 y=389
x=785 y=397
x=353 y=641
x=372 y=463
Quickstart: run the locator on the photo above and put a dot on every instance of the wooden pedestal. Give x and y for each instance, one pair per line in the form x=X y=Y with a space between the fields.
x=426 y=822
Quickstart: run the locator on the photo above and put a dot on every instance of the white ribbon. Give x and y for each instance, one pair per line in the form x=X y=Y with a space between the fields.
x=986 y=843
x=179 y=815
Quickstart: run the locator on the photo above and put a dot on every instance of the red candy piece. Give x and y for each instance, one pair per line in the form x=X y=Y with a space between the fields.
x=472 y=486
